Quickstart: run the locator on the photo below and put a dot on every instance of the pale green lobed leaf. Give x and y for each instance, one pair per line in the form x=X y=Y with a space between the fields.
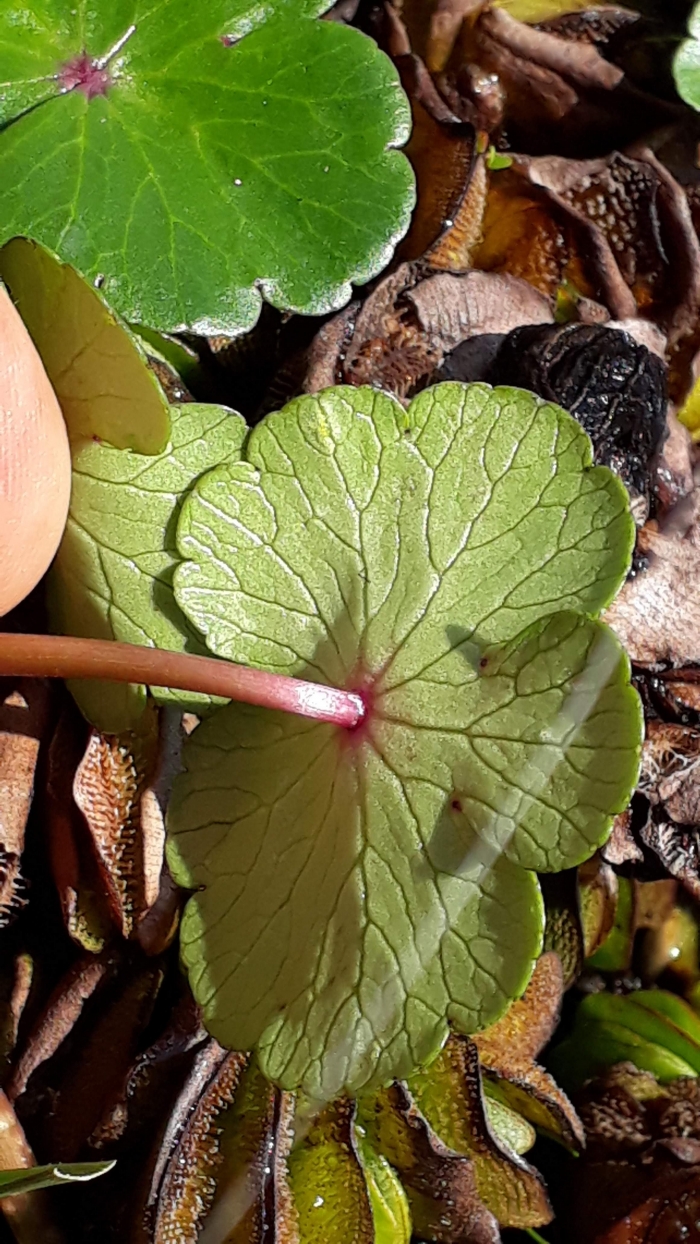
x=112 y=577
x=95 y=363
x=358 y=890
x=324 y=933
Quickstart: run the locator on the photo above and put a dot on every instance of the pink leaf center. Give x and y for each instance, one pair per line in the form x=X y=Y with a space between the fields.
x=85 y=75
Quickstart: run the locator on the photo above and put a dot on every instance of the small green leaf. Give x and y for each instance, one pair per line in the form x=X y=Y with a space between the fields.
x=173 y=351
x=449 y=1095
x=497 y=160
x=509 y=1127
x=686 y=63
x=95 y=364
x=326 y=1180
x=615 y=954
x=195 y=157
x=533 y=11
x=358 y=890
x=112 y=578
x=653 y=1029
x=440 y=1184
x=32 y=1178
x=391 y=1215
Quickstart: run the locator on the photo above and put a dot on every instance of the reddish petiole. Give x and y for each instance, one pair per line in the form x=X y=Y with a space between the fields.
x=59 y=656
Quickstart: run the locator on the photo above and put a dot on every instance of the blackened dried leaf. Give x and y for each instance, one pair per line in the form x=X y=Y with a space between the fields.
x=613 y=386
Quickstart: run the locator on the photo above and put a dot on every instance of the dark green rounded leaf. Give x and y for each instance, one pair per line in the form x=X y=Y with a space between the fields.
x=192 y=157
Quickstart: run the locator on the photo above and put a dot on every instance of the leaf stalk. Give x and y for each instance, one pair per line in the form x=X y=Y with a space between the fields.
x=62 y=656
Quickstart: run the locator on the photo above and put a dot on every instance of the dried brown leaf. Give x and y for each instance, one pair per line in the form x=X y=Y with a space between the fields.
x=153 y=1082
x=109 y=783
x=25 y=711
x=220 y=1170
x=445 y=24
x=106 y=811
x=83 y=904
x=28 y=1215
x=449 y=1094
x=576 y=62
x=597 y=896
x=509 y=1047
x=584 y=22
x=674 y=479
x=182 y=1185
x=622 y=846
x=79 y=1052
x=531 y=232
x=453 y=309
x=440 y=1183
x=641 y=1181
x=401 y=335
x=529 y=1022
x=644 y=216
x=388 y=348
x=656 y=613
x=678 y=849
x=558 y=93
x=450 y=176
x=60 y=1015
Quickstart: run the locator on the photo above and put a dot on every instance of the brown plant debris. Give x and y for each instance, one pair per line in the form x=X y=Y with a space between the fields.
x=640 y=1181
x=655 y=615
x=25 y=711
